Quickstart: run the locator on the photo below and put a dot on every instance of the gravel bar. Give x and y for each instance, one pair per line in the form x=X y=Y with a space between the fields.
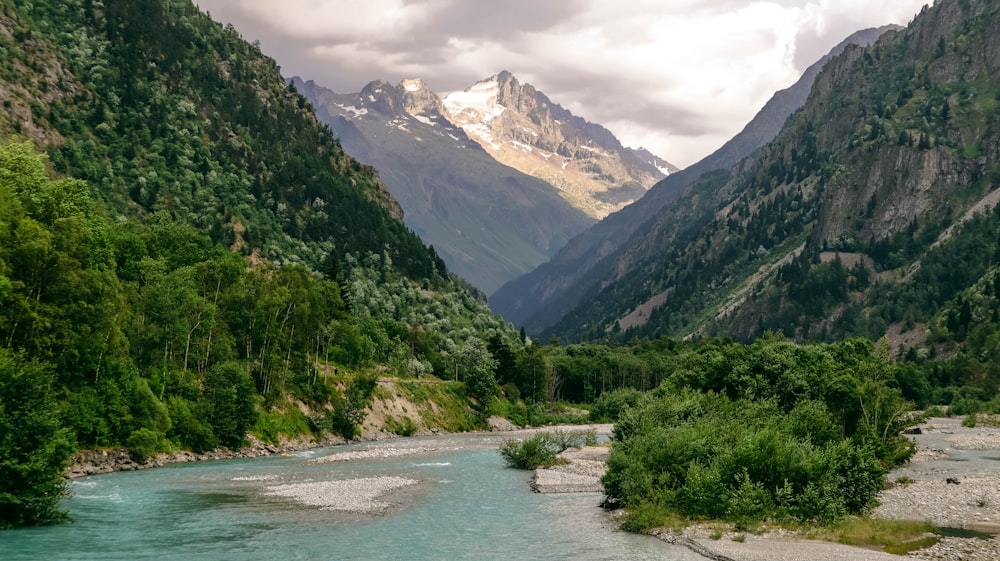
x=373 y=453
x=351 y=495
x=582 y=473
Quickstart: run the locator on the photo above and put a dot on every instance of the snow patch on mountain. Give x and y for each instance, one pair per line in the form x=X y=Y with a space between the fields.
x=355 y=111
x=526 y=147
x=480 y=100
x=663 y=169
x=424 y=120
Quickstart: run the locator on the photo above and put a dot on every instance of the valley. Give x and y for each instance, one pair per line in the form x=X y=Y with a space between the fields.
x=204 y=255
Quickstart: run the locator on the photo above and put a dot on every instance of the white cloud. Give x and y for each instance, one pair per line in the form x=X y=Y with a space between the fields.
x=678 y=77
x=346 y=20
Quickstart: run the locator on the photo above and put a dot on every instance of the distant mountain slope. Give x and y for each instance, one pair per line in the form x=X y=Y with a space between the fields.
x=542 y=297
x=186 y=118
x=521 y=127
x=873 y=213
x=489 y=222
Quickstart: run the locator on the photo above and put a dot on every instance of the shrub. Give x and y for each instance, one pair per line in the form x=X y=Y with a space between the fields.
x=542 y=448
x=406 y=427
x=609 y=406
x=739 y=460
x=531 y=453
x=143 y=444
x=351 y=407
x=565 y=439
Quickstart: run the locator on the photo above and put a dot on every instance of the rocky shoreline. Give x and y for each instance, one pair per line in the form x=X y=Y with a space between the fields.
x=581 y=474
x=93 y=462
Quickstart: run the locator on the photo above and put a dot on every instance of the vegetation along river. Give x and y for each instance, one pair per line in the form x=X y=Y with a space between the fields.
x=449 y=497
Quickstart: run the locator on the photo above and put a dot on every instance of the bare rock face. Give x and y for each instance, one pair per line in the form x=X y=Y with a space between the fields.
x=522 y=128
x=500 y=424
x=418 y=99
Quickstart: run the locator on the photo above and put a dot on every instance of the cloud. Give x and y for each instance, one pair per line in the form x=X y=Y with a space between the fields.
x=679 y=77
x=333 y=20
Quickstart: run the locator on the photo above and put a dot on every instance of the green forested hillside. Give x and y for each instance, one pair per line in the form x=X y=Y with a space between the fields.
x=159 y=108
x=872 y=213
x=187 y=256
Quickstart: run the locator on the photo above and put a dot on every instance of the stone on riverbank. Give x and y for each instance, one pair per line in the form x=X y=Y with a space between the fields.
x=582 y=473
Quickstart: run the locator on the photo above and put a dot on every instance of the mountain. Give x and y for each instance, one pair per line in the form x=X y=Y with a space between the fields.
x=872 y=213
x=588 y=262
x=521 y=127
x=489 y=222
x=211 y=134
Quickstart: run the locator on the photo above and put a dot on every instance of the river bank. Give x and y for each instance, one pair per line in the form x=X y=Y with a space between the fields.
x=919 y=490
x=93 y=462
x=354 y=502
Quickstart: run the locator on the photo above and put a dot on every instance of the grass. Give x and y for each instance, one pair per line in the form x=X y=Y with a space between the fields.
x=404 y=427
x=439 y=404
x=540 y=414
x=288 y=421
x=892 y=536
x=889 y=535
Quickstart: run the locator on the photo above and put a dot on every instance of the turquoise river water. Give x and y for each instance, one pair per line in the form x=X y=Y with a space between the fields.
x=467 y=505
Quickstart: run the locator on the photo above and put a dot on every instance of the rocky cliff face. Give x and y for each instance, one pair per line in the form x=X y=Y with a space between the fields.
x=521 y=127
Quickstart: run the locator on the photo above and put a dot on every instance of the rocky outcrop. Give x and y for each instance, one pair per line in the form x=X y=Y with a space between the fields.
x=488 y=221
x=521 y=127
x=500 y=424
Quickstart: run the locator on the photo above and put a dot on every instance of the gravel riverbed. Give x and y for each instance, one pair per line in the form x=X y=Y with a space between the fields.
x=582 y=473
x=361 y=495
x=968 y=456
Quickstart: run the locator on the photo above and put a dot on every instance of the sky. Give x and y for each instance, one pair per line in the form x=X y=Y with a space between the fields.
x=678 y=77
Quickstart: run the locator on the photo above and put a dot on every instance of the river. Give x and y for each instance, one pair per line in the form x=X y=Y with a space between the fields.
x=463 y=503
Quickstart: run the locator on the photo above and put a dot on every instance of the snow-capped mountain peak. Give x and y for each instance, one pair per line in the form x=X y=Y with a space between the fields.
x=522 y=128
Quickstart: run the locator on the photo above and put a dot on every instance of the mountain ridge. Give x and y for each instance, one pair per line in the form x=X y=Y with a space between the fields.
x=587 y=263
x=488 y=221
x=521 y=127
x=871 y=213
